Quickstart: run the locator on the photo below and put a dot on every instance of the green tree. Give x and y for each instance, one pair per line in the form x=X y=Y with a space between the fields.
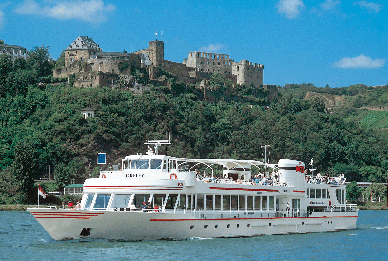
x=353 y=192
x=38 y=60
x=375 y=191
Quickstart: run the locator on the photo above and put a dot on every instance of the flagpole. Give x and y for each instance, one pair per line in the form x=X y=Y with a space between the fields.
x=38 y=195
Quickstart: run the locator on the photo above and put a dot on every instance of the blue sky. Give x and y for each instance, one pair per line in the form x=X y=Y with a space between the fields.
x=299 y=41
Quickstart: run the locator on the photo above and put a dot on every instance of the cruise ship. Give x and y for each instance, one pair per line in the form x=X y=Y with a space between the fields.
x=155 y=197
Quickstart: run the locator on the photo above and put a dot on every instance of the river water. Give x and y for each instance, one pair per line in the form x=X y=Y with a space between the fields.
x=22 y=238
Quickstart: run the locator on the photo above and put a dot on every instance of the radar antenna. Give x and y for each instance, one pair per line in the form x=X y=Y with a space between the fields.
x=158 y=143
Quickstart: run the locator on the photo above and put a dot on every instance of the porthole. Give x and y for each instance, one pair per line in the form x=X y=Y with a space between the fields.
x=191 y=227
x=248 y=225
x=216 y=226
x=205 y=226
x=238 y=225
x=269 y=224
x=228 y=226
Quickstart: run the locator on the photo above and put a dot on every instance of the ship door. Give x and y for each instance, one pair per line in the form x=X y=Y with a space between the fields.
x=295 y=207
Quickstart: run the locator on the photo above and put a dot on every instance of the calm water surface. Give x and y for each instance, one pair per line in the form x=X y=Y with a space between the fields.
x=22 y=238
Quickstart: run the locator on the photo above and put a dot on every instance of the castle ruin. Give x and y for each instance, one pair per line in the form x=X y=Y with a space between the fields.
x=92 y=67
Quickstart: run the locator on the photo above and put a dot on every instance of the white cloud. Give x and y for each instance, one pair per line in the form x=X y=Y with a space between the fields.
x=93 y=11
x=212 y=48
x=329 y=4
x=369 y=6
x=291 y=8
x=361 y=61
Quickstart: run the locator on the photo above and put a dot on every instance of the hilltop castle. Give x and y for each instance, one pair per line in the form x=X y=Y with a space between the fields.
x=92 y=67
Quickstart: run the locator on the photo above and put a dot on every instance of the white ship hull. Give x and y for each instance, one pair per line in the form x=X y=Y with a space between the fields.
x=191 y=204
x=122 y=225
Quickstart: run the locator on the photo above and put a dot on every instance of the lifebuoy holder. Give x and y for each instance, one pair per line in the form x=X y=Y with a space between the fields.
x=173 y=176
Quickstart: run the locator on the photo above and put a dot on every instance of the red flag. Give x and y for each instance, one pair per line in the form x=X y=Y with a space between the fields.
x=41 y=192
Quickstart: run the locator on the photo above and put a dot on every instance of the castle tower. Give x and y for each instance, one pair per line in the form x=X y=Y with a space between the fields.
x=81 y=49
x=156 y=52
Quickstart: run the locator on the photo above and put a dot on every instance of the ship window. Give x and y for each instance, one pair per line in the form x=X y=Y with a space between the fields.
x=234 y=202
x=340 y=196
x=189 y=202
x=139 y=199
x=139 y=164
x=257 y=202
x=318 y=193
x=200 y=198
x=172 y=198
x=209 y=202
x=271 y=203
x=101 y=201
x=312 y=193
x=241 y=202
x=120 y=201
x=156 y=164
x=89 y=200
x=264 y=204
x=250 y=202
x=182 y=202
x=226 y=203
x=218 y=202
x=323 y=193
x=159 y=199
x=172 y=164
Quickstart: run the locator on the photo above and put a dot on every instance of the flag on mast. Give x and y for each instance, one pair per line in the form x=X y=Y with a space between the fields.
x=41 y=192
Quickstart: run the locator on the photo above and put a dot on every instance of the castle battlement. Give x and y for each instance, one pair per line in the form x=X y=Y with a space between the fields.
x=196 y=67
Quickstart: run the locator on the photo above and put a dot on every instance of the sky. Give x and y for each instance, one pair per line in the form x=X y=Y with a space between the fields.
x=323 y=42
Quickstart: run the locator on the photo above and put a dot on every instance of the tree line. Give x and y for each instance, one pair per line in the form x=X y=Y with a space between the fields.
x=42 y=125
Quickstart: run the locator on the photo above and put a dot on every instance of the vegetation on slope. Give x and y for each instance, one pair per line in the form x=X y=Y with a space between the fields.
x=42 y=126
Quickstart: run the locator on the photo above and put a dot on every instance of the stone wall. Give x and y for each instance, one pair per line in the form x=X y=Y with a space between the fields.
x=95 y=79
x=180 y=71
x=210 y=62
x=248 y=73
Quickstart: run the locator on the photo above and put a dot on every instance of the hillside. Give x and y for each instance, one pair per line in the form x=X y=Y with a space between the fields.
x=42 y=125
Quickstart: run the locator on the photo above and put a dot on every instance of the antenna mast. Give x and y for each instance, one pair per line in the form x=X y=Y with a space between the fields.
x=158 y=143
x=265 y=157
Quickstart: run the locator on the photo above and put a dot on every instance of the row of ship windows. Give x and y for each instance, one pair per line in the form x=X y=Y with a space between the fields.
x=323 y=193
x=227 y=226
x=188 y=202
x=248 y=225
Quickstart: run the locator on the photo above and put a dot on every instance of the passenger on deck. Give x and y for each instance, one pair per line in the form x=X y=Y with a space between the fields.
x=144 y=207
x=156 y=208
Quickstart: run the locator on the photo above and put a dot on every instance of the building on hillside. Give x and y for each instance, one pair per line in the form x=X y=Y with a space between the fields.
x=14 y=51
x=92 y=67
x=88 y=113
x=73 y=189
x=246 y=73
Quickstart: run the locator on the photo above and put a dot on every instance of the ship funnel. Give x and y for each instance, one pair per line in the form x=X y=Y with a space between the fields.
x=291 y=172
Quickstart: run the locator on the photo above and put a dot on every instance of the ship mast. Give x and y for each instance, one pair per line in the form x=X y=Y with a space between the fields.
x=158 y=143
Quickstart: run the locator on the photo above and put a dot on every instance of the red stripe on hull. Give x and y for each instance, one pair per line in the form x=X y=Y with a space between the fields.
x=67 y=217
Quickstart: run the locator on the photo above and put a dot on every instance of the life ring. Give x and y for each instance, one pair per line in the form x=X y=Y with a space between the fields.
x=173 y=176
x=103 y=176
